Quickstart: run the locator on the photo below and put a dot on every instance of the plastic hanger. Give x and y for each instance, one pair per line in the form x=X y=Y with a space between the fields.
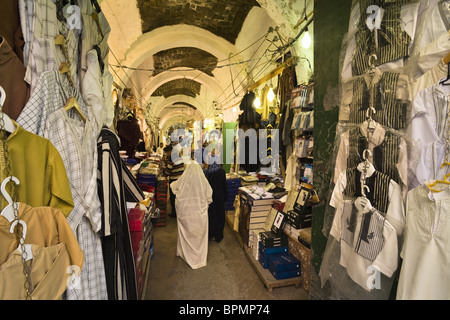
x=366 y=166
x=8 y=211
x=9 y=214
x=363 y=191
x=371 y=124
x=430 y=185
x=72 y=103
x=9 y=125
x=446 y=60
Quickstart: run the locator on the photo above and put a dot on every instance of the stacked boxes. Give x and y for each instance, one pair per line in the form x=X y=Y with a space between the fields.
x=273 y=248
x=300 y=220
x=146 y=179
x=270 y=240
x=284 y=266
x=265 y=253
x=161 y=200
x=141 y=223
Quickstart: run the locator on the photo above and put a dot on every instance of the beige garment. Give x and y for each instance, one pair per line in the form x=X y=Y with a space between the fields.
x=50 y=272
x=429 y=79
x=46 y=226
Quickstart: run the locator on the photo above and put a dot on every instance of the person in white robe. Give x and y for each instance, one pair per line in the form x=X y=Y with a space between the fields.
x=193 y=196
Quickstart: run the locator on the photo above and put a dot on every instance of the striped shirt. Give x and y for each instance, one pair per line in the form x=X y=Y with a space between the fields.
x=174 y=170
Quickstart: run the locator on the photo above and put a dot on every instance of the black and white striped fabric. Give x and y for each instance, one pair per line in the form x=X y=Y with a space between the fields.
x=391 y=112
x=378 y=184
x=385 y=155
x=116 y=186
x=393 y=42
x=366 y=239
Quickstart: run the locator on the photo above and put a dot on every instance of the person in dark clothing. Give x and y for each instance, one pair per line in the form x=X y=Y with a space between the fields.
x=216 y=211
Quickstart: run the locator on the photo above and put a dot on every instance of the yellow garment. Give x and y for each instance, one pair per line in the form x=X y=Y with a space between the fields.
x=265 y=103
x=40 y=170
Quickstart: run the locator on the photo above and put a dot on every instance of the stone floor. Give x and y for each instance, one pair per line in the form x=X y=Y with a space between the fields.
x=228 y=275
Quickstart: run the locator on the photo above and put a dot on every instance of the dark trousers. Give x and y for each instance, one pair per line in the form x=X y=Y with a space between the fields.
x=172 y=202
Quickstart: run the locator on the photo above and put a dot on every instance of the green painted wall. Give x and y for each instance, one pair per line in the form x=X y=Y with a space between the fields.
x=227 y=126
x=330 y=25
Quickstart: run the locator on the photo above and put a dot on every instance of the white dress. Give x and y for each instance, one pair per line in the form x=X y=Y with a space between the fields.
x=193 y=196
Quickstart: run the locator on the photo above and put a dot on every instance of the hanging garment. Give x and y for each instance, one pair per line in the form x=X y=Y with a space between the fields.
x=51 y=94
x=94 y=91
x=290 y=180
x=216 y=212
x=389 y=153
x=424 y=274
x=193 y=196
x=249 y=114
x=10 y=28
x=390 y=93
x=366 y=240
x=92 y=35
x=26 y=19
x=428 y=130
x=46 y=226
x=433 y=37
x=12 y=73
x=429 y=79
x=48 y=274
x=36 y=162
x=116 y=186
x=385 y=195
x=393 y=41
x=76 y=142
x=40 y=24
x=57 y=256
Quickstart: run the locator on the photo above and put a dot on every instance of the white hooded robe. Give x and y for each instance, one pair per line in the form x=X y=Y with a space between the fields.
x=193 y=196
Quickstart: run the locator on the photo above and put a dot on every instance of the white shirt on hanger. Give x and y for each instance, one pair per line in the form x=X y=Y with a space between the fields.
x=357 y=265
x=428 y=131
x=425 y=273
x=396 y=211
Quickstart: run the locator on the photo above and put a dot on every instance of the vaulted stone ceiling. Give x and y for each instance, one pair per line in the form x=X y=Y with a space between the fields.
x=192 y=58
x=223 y=18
